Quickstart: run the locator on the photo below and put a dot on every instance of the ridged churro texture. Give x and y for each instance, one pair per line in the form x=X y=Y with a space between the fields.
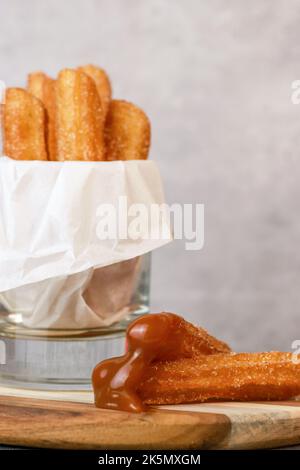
x=43 y=87
x=127 y=132
x=195 y=340
x=103 y=85
x=239 y=377
x=24 y=121
x=79 y=117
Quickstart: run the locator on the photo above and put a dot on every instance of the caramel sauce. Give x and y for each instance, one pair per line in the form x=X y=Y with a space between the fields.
x=149 y=338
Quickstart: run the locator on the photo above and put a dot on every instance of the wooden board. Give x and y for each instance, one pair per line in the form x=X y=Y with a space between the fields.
x=69 y=420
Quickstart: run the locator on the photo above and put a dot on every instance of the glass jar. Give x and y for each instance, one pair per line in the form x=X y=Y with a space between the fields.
x=57 y=354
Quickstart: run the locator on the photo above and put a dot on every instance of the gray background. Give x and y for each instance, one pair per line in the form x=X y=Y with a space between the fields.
x=215 y=78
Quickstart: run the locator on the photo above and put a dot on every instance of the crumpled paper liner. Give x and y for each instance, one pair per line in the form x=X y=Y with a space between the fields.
x=89 y=299
x=53 y=267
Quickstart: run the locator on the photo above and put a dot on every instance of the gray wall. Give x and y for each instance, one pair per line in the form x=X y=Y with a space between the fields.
x=214 y=77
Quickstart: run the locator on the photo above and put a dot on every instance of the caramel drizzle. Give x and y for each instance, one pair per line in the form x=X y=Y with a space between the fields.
x=115 y=381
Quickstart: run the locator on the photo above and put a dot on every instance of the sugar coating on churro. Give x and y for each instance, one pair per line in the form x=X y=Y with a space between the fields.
x=43 y=87
x=35 y=84
x=103 y=85
x=81 y=121
x=150 y=338
x=127 y=132
x=240 y=377
x=195 y=340
x=79 y=117
x=24 y=121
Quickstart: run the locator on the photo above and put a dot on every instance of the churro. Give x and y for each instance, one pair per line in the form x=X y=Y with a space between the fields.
x=43 y=87
x=102 y=82
x=239 y=377
x=127 y=132
x=24 y=126
x=80 y=120
x=195 y=340
x=79 y=117
x=163 y=336
x=169 y=361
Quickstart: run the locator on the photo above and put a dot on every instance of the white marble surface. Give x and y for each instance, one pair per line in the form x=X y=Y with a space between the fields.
x=214 y=77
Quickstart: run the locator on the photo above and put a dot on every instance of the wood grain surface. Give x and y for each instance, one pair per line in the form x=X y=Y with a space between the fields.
x=69 y=420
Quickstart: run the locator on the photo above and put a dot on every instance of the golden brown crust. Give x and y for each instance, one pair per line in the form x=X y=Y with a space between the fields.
x=195 y=340
x=24 y=126
x=35 y=84
x=127 y=132
x=239 y=377
x=103 y=85
x=79 y=117
x=43 y=88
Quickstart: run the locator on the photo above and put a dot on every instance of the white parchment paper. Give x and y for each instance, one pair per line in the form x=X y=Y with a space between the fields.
x=53 y=266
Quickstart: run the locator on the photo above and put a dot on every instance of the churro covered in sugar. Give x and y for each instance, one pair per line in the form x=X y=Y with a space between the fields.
x=79 y=117
x=23 y=124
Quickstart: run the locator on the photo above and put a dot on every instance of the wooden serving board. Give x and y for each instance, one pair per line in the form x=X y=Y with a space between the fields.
x=69 y=420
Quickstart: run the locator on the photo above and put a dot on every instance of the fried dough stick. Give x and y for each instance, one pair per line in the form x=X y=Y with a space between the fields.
x=103 y=85
x=127 y=132
x=195 y=340
x=24 y=126
x=239 y=377
x=151 y=337
x=79 y=117
x=43 y=88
